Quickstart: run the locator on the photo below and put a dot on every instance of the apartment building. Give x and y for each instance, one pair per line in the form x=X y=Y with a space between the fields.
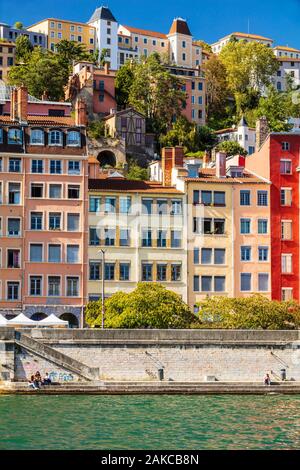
x=7 y=57
x=242 y=134
x=289 y=60
x=10 y=34
x=43 y=196
x=218 y=46
x=278 y=161
x=56 y=30
x=140 y=227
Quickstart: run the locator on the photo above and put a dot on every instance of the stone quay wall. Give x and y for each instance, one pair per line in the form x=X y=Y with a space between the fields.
x=137 y=355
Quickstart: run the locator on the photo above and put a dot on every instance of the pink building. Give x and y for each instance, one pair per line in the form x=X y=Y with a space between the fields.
x=43 y=204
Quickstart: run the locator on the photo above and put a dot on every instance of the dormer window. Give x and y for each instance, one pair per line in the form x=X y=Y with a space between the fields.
x=37 y=137
x=73 y=139
x=55 y=138
x=15 y=136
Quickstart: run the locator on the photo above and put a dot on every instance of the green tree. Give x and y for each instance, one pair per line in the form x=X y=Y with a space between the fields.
x=67 y=53
x=231 y=148
x=18 y=25
x=41 y=74
x=250 y=67
x=24 y=49
x=150 y=305
x=103 y=57
x=123 y=83
x=205 y=46
x=137 y=173
x=256 y=312
x=277 y=107
x=96 y=129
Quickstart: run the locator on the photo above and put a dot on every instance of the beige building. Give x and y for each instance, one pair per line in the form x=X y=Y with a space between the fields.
x=7 y=58
x=140 y=226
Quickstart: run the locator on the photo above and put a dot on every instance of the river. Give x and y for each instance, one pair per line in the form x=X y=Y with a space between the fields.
x=149 y=422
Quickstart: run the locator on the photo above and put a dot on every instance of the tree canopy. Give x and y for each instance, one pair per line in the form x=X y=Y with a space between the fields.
x=24 y=49
x=231 y=148
x=150 y=305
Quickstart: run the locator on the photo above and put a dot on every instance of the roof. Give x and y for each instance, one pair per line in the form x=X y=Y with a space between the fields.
x=5 y=42
x=5 y=95
x=251 y=36
x=180 y=26
x=243 y=122
x=208 y=175
x=57 y=121
x=60 y=20
x=133 y=186
x=145 y=32
x=286 y=48
x=124 y=111
x=102 y=13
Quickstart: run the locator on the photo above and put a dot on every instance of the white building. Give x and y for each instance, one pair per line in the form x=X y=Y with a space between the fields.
x=289 y=59
x=243 y=134
x=106 y=34
x=218 y=46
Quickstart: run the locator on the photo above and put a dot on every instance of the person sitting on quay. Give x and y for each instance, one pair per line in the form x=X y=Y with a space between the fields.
x=38 y=378
x=267 y=380
x=32 y=383
x=47 y=380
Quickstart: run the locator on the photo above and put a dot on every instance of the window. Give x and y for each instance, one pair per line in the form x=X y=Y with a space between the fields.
x=73 y=139
x=13 y=227
x=54 y=286
x=263 y=282
x=94 y=239
x=285 y=167
x=219 y=226
x=109 y=236
x=219 y=198
x=15 y=136
x=245 y=198
x=55 y=167
x=206 y=198
x=262 y=226
x=36 y=221
x=161 y=272
x=196 y=197
x=124 y=271
x=245 y=253
x=219 y=284
x=55 y=191
x=162 y=206
x=54 y=221
x=147 y=206
x=286 y=196
x=109 y=271
x=124 y=237
x=286 y=294
x=14 y=193
x=286 y=230
x=95 y=270
x=13 y=258
x=1 y=134
x=36 y=253
x=219 y=256
x=35 y=285
x=146 y=238
x=263 y=253
x=286 y=264
x=73 y=254
x=175 y=239
x=147 y=272
x=245 y=282
x=37 y=166
x=54 y=253
x=125 y=205
x=14 y=165
x=206 y=256
x=72 y=287
x=37 y=137
x=196 y=284
x=73 y=192
x=206 y=283
x=55 y=138
x=262 y=198
x=110 y=205
x=285 y=146
x=176 y=207
x=175 y=272
x=12 y=291
x=183 y=44
x=74 y=167
x=161 y=239
x=245 y=226
x=37 y=190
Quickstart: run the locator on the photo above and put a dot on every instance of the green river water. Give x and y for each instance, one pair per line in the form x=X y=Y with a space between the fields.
x=149 y=422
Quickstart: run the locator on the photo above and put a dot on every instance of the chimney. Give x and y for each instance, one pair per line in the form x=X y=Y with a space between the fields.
x=13 y=104
x=171 y=157
x=106 y=68
x=206 y=159
x=262 y=131
x=221 y=165
x=22 y=104
x=80 y=113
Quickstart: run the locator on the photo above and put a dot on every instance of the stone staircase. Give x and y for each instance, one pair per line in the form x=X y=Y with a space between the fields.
x=60 y=359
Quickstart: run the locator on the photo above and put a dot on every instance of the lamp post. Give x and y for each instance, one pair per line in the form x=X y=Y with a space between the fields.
x=103 y=287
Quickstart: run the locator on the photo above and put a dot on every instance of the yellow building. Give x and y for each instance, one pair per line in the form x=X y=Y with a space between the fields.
x=140 y=225
x=7 y=57
x=57 y=30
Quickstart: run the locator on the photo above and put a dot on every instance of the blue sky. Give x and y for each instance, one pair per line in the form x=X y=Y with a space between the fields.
x=208 y=19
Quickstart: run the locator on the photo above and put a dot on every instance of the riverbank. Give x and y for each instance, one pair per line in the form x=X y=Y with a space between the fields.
x=153 y=388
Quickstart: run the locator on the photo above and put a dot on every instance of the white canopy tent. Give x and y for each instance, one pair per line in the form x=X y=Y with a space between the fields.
x=22 y=320
x=53 y=320
x=3 y=321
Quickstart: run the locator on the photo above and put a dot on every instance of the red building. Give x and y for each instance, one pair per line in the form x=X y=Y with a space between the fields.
x=278 y=161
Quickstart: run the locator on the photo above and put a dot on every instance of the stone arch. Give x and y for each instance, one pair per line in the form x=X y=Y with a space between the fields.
x=38 y=316
x=71 y=318
x=107 y=158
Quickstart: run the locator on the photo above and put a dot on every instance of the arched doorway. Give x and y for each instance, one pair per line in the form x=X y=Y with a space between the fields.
x=72 y=319
x=38 y=316
x=107 y=158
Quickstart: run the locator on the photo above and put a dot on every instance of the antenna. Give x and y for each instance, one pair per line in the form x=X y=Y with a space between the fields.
x=248 y=26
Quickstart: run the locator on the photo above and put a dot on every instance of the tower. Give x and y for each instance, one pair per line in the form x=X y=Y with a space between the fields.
x=106 y=34
x=180 y=39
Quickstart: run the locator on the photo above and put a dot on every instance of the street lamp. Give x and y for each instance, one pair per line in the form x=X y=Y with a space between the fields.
x=103 y=287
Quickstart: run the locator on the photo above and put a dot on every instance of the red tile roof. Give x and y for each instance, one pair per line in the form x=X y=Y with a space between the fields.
x=46 y=121
x=122 y=185
x=180 y=26
x=145 y=32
